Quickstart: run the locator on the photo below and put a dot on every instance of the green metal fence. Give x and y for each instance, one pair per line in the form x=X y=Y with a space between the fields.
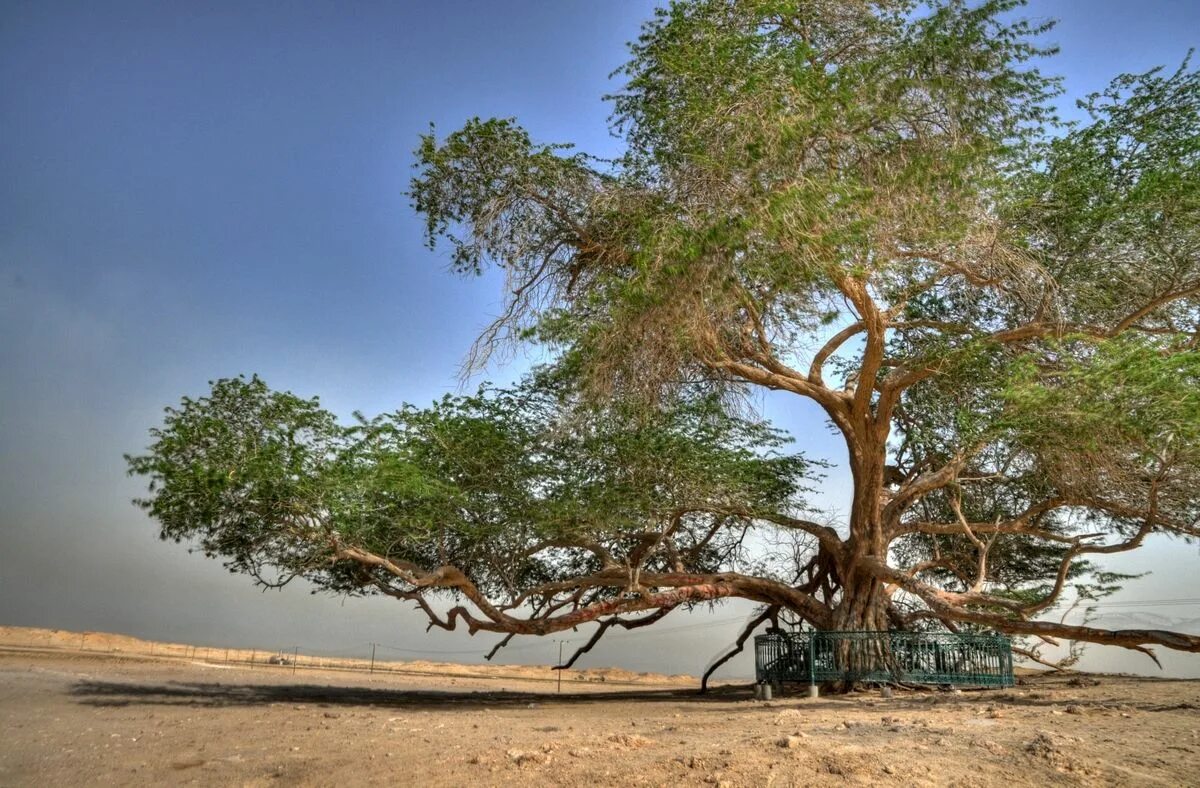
x=884 y=657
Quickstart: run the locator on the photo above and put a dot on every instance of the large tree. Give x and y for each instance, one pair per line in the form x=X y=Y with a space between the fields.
x=868 y=205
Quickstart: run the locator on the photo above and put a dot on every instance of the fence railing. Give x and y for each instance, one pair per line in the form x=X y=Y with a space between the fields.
x=938 y=658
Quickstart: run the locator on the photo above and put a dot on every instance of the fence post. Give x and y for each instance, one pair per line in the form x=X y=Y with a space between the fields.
x=295 y=658
x=812 y=665
x=371 y=670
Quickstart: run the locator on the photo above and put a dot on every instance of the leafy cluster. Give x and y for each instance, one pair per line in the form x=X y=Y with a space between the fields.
x=275 y=485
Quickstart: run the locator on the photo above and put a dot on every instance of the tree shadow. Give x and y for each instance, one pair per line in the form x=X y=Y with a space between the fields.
x=217 y=695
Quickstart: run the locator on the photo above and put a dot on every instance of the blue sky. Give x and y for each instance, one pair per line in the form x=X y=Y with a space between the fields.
x=190 y=191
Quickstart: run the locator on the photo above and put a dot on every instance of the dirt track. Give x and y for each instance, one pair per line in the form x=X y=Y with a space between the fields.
x=110 y=719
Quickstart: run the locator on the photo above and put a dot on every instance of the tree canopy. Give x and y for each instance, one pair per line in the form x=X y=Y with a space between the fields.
x=870 y=205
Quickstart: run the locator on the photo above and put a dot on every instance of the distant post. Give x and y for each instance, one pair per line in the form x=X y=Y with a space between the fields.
x=371 y=670
x=560 y=645
x=295 y=657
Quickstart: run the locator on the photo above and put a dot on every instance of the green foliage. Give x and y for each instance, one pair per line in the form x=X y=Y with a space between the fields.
x=775 y=149
x=1112 y=207
x=268 y=480
x=1116 y=420
x=242 y=472
x=474 y=171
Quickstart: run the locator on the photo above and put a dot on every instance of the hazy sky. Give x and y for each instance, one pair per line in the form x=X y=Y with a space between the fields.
x=195 y=190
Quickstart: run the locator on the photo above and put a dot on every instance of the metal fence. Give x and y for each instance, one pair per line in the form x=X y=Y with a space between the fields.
x=884 y=657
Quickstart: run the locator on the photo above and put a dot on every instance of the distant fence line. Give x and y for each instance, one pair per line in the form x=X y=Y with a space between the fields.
x=366 y=659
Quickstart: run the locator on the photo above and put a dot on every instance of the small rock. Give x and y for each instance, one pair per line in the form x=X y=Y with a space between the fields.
x=520 y=757
x=630 y=740
x=1042 y=744
x=788 y=715
x=1074 y=709
x=789 y=742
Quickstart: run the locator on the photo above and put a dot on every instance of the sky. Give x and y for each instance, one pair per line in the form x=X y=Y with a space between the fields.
x=191 y=191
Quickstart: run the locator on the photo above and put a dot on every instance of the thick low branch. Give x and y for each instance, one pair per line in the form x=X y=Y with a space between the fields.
x=945 y=604
x=685 y=588
x=754 y=624
x=607 y=624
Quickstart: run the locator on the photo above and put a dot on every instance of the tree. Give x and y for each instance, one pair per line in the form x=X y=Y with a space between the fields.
x=869 y=205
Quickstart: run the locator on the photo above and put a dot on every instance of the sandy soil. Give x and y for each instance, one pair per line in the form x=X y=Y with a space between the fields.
x=113 y=717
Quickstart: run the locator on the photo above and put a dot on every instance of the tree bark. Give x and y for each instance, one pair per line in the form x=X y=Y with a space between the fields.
x=863 y=603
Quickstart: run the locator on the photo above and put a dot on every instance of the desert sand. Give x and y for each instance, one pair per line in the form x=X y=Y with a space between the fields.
x=115 y=714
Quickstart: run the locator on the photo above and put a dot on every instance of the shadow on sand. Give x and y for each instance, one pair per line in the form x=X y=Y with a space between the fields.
x=217 y=695
x=109 y=693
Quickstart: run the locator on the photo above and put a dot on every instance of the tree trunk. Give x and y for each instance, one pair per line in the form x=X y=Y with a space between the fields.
x=863 y=606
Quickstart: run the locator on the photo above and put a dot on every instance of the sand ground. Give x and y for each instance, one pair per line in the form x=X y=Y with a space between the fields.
x=114 y=717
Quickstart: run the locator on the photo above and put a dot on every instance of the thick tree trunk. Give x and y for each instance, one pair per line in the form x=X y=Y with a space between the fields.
x=863 y=605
